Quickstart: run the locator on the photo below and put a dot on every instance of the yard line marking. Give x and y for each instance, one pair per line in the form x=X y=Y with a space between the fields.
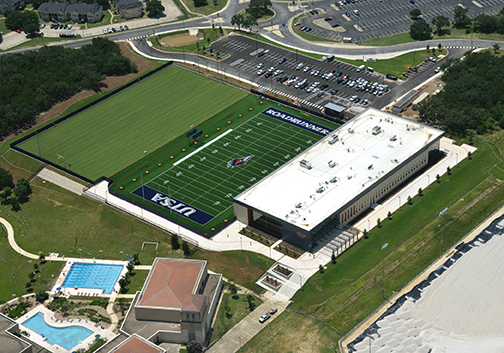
x=199 y=149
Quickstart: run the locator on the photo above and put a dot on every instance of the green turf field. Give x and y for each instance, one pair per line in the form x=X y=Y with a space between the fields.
x=200 y=176
x=116 y=132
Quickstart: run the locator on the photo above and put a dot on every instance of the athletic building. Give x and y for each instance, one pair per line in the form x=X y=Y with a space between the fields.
x=339 y=178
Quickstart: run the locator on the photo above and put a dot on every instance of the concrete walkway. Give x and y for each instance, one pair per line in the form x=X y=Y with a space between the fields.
x=61 y=181
x=247 y=328
x=12 y=241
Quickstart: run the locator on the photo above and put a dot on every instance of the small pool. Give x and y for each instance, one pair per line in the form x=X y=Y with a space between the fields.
x=96 y=276
x=66 y=337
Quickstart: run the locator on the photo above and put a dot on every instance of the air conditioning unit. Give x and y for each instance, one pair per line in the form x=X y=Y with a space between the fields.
x=376 y=130
x=331 y=164
x=333 y=179
x=320 y=189
x=333 y=139
x=305 y=164
x=298 y=205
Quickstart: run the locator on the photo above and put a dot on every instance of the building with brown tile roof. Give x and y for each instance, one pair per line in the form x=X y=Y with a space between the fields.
x=177 y=302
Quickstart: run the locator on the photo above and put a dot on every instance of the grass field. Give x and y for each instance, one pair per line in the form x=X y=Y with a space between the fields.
x=115 y=133
x=203 y=179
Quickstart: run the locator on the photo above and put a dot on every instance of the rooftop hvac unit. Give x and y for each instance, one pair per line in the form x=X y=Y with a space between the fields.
x=393 y=138
x=333 y=179
x=333 y=139
x=370 y=167
x=305 y=164
x=332 y=164
x=376 y=130
x=320 y=189
x=298 y=205
x=349 y=176
x=351 y=130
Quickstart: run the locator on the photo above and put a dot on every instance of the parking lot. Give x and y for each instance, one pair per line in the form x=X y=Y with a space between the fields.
x=247 y=55
x=378 y=18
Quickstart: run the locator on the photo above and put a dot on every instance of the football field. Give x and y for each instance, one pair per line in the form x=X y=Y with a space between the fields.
x=198 y=186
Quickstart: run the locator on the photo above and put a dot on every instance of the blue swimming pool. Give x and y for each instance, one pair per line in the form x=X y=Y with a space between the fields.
x=96 y=276
x=66 y=337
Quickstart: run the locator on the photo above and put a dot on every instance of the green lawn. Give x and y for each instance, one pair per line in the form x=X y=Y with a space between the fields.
x=398 y=65
x=238 y=310
x=14 y=270
x=3 y=28
x=203 y=179
x=137 y=281
x=115 y=133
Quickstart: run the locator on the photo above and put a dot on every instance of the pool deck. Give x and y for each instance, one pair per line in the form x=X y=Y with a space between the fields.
x=86 y=292
x=50 y=320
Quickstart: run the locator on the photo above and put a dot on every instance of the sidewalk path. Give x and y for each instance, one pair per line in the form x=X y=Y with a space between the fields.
x=61 y=181
x=12 y=241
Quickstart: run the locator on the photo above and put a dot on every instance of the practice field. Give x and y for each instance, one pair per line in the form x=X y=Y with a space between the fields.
x=116 y=132
x=195 y=183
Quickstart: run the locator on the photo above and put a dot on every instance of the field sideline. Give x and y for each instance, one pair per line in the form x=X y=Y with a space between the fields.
x=116 y=132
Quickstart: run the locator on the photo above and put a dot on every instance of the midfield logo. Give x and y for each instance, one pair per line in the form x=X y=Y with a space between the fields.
x=238 y=161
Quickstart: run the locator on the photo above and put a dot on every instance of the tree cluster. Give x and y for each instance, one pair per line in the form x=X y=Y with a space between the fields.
x=33 y=82
x=27 y=21
x=13 y=196
x=489 y=23
x=255 y=10
x=472 y=96
x=154 y=8
x=200 y=3
x=420 y=30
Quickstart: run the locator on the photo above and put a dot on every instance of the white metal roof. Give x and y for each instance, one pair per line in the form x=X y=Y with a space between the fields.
x=306 y=197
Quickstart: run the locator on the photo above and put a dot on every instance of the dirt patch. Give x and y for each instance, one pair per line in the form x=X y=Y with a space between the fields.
x=431 y=88
x=179 y=40
x=108 y=84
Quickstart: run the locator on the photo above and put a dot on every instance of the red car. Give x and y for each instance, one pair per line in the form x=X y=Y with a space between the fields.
x=302 y=26
x=335 y=25
x=328 y=19
x=18 y=31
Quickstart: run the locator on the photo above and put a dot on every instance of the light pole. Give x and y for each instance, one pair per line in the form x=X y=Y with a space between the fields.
x=456 y=159
x=399 y=203
x=383 y=259
x=101 y=252
x=428 y=181
x=121 y=252
x=369 y=224
x=441 y=214
x=241 y=246
x=80 y=253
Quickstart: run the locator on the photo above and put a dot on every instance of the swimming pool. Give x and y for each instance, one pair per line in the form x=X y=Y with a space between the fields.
x=96 y=276
x=66 y=337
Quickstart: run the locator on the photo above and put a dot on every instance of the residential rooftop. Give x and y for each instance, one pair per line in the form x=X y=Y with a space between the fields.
x=137 y=344
x=339 y=168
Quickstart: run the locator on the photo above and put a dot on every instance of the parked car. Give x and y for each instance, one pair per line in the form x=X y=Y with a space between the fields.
x=42 y=25
x=347 y=14
x=69 y=27
x=282 y=60
x=109 y=30
x=264 y=318
x=328 y=19
x=335 y=25
x=260 y=65
x=356 y=12
x=437 y=69
x=105 y=31
x=122 y=28
x=126 y=27
x=273 y=311
x=18 y=31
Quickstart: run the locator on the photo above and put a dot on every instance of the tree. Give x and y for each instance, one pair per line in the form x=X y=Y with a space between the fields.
x=251 y=302
x=117 y=65
x=154 y=8
x=333 y=258
x=420 y=191
x=420 y=30
x=220 y=30
x=365 y=233
x=185 y=248
x=389 y=215
x=23 y=190
x=415 y=14
x=378 y=222
x=200 y=3
x=485 y=24
x=321 y=268
x=438 y=178
x=409 y=200
x=14 y=203
x=135 y=259
x=194 y=347
x=123 y=283
x=5 y=179
x=42 y=259
x=234 y=292
x=428 y=46
x=448 y=170
x=36 y=3
x=41 y=296
x=31 y=29
x=28 y=286
x=249 y=22
x=175 y=242
x=36 y=267
x=439 y=46
x=6 y=194
x=130 y=267
x=14 y=20
x=439 y=22
x=496 y=48
x=31 y=276
x=238 y=20
x=469 y=154
x=460 y=18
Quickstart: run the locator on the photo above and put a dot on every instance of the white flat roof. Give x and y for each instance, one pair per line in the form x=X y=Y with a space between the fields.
x=306 y=197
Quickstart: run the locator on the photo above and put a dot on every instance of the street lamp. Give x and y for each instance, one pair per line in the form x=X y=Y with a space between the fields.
x=399 y=203
x=441 y=214
x=456 y=159
x=80 y=252
x=241 y=246
x=428 y=181
x=101 y=252
x=383 y=281
x=121 y=254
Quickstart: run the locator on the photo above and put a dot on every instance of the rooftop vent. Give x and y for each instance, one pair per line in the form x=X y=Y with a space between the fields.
x=370 y=167
x=320 y=189
x=298 y=205
x=351 y=130
x=333 y=139
x=349 y=176
x=376 y=130
x=393 y=138
x=332 y=164
x=305 y=164
x=333 y=179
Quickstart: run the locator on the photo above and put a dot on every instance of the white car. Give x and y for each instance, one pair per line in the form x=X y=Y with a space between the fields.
x=260 y=65
x=437 y=69
x=105 y=31
x=69 y=26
